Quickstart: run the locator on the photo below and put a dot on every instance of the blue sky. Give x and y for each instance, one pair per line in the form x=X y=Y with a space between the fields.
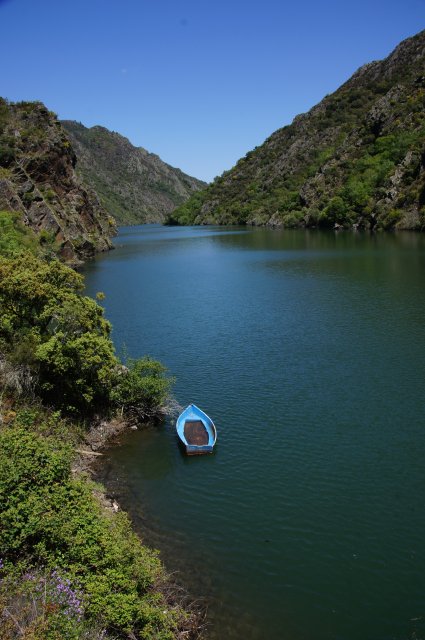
x=200 y=83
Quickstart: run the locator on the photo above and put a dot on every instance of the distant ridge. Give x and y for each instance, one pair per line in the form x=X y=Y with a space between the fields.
x=357 y=159
x=133 y=185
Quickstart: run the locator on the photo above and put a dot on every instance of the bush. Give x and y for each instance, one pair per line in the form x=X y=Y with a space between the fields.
x=390 y=219
x=141 y=388
x=15 y=236
x=335 y=212
x=64 y=339
x=7 y=155
x=293 y=219
x=53 y=521
x=65 y=335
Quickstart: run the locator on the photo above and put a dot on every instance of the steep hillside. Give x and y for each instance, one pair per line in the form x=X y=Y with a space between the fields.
x=133 y=185
x=356 y=159
x=38 y=180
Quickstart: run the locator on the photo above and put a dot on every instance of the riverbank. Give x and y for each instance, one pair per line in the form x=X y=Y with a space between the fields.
x=103 y=436
x=71 y=567
x=69 y=532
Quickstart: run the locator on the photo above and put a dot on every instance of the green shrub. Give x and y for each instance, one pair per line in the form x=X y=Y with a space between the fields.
x=53 y=521
x=390 y=219
x=15 y=236
x=47 y=325
x=141 y=388
x=293 y=219
x=334 y=213
x=7 y=155
x=65 y=333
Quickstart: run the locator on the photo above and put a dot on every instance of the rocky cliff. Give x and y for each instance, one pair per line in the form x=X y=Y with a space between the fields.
x=133 y=185
x=357 y=159
x=38 y=180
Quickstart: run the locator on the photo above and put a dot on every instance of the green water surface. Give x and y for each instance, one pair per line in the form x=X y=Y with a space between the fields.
x=308 y=351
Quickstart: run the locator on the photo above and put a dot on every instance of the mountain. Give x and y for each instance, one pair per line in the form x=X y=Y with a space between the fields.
x=357 y=159
x=133 y=185
x=38 y=180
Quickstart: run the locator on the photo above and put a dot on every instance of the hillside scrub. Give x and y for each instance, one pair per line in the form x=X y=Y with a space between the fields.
x=133 y=185
x=93 y=571
x=38 y=181
x=355 y=160
x=69 y=567
x=62 y=340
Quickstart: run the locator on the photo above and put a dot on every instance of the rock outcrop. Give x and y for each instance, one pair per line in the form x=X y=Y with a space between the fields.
x=135 y=186
x=357 y=159
x=38 y=180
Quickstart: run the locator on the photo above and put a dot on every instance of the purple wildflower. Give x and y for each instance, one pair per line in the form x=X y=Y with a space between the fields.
x=29 y=577
x=68 y=598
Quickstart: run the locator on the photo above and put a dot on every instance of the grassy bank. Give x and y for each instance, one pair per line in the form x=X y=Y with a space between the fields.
x=69 y=567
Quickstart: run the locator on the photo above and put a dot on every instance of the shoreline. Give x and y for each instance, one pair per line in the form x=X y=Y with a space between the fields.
x=102 y=436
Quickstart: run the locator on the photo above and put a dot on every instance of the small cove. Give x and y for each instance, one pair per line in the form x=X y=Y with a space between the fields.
x=308 y=350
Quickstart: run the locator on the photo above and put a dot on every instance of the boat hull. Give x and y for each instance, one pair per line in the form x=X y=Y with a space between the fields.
x=196 y=431
x=197 y=451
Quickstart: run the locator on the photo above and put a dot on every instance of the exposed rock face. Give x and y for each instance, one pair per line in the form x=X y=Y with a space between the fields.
x=133 y=185
x=357 y=159
x=38 y=180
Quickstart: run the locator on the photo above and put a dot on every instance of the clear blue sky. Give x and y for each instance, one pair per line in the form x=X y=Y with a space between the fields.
x=198 y=82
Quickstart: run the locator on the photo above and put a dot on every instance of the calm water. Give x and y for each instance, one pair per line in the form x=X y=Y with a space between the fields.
x=308 y=350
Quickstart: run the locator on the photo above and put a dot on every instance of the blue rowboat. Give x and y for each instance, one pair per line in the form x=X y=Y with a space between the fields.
x=196 y=431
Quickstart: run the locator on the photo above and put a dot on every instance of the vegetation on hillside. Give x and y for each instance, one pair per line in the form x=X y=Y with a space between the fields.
x=87 y=572
x=357 y=159
x=60 y=342
x=38 y=181
x=69 y=568
x=133 y=185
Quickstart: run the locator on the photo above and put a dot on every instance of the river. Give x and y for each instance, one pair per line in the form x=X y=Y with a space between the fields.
x=307 y=349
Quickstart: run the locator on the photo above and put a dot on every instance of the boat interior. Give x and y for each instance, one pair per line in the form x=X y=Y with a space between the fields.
x=195 y=432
